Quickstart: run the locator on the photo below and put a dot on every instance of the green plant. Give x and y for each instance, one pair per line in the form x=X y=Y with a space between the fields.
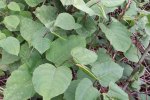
x=73 y=49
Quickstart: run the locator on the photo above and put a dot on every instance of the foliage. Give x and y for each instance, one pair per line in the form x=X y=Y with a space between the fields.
x=72 y=49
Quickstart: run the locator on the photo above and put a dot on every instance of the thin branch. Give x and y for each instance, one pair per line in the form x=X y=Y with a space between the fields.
x=137 y=67
x=125 y=9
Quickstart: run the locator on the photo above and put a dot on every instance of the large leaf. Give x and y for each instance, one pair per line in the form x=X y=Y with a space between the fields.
x=33 y=3
x=106 y=72
x=46 y=14
x=86 y=91
x=10 y=45
x=13 y=6
x=29 y=27
x=112 y=3
x=60 y=50
x=19 y=85
x=50 y=81
x=118 y=35
x=11 y=22
x=133 y=54
x=115 y=92
x=66 y=22
x=83 y=56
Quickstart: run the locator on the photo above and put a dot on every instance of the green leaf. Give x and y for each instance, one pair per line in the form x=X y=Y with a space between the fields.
x=79 y=4
x=86 y=91
x=46 y=14
x=131 y=12
x=66 y=22
x=118 y=35
x=33 y=3
x=110 y=3
x=147 y=28
x=103 y=56
x=70 y=92
x=115 y=92
x=60 y=50
x=106 y=72
x=83 y=56
x=133 y=54
x=11 y=22
x=13 y=6
x=8 y=58
x=41 y=44
x=49 y=81
x=19 y=85
x=2 y=35
x=10 y=45
x=144 y=97
x=2 y=4
x=67 y=2
x=127 y=70
x=29 y=27
x=88 y=27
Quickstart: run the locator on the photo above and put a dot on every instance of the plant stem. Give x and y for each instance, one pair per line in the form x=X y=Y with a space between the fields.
x=137 y=67
x=124 y=10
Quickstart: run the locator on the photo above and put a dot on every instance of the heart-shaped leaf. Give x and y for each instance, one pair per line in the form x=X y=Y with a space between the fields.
x=50 y=81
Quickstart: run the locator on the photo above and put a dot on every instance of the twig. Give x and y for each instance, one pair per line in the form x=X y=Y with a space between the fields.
x=137 y=67
x=124 y=10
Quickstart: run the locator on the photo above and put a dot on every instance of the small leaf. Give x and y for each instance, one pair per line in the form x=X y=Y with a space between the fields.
x=2 y=35
x=8 y=58
x=13 y=6
x=60 y=50
x=11 y=22
x=106 y=72
x=103 y=56
x=66 y=22
x=81 y=5
x=10 y=45
x=2 y=4
x=33 y=3
x=88 y=27
x=115 y=92
x=133 y=54
x=86 y=91
x=110 y=3
x=19 y=85
x=83 y=56
x=67 y=2
x=49 y=81
x=41 y=44
x=70 y=92
x=147 y=28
